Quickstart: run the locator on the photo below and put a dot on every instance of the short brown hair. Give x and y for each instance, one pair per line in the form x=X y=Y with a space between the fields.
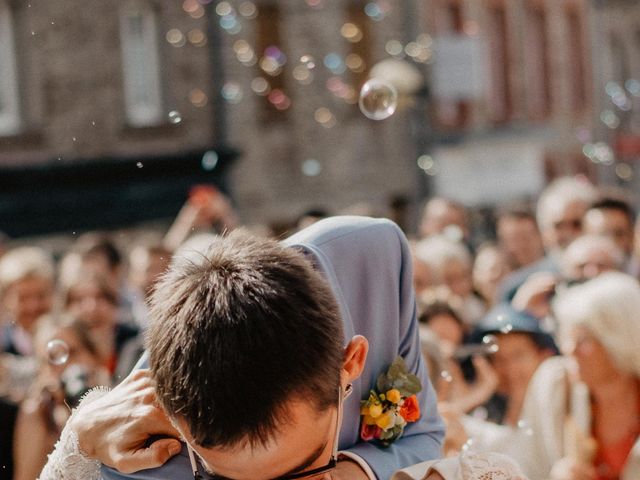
x=236 y=333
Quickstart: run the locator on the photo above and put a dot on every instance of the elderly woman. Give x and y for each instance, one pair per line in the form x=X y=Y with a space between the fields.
x=584 y=409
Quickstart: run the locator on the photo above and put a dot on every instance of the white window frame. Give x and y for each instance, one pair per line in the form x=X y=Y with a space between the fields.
x=9 y=99
x=141 y=66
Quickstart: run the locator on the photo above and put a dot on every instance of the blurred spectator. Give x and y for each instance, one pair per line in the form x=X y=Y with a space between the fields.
x=559 y=214
x=518 y=236
x=422 y=275
x=311 y=216
x=522 y=346
x=613 y=217
x=584 y=409
x=589 y=256
x=585 y=258
x=26 y=285
x=99 y=254
x=442 y=334
x=450 y=264
x=489 y=269
x=93 y=301
x=60 y=384
x=206 y=210
x=442 y=216
x=146 y=264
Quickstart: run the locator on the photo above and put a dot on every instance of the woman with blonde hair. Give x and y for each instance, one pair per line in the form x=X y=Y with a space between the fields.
x=584 y=409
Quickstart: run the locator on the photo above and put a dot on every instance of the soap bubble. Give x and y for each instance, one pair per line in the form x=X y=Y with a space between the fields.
x=491 y=343
x=446 y=376
x=139 y=165
x=378 y=99
x=57 y=352
x=174 y=117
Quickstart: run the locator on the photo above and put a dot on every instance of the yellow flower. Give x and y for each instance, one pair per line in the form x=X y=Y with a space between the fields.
x=385 y=421
x=394 y=396
x=375 y=410
x=369 y=420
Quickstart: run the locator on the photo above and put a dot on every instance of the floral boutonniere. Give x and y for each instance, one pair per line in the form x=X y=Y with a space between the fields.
x=391 y=406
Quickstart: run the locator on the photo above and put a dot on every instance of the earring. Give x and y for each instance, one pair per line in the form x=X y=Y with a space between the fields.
x=348 y=390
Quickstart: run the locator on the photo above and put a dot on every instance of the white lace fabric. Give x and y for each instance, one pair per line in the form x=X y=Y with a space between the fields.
x=477 y=466
x=67 y=461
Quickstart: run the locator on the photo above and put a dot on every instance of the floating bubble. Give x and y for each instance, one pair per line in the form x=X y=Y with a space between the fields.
x=525 y=428
x=224 y=9
x=279 y=99
x=633 y=87
x=302 y=74
x=198 y=98
x=232 y=92
x=624 y=171
x=57 y=351
x=175 y=38
x=446 y=376
x=491 y=343
x=378 y=99
x=248 y=10
x=311 y=167
x=260 y=86
x=393 y=48
x=209 y=160
x=317 y=4
x=190 y=6
x=139 y=165
x=355 y=63
x=197 y=37
x=334 y=62
x=610 y=119
x=324 y=117
x=309 y=61
x=351 y=32
x=174 y=117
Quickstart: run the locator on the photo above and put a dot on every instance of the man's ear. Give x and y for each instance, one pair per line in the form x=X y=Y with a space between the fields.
x=355 y=357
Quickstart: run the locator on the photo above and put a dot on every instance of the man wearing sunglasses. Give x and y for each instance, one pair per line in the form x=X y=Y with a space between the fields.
x=259 y=355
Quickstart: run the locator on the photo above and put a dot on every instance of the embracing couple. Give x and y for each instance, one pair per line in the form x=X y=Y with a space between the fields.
x=270 y=360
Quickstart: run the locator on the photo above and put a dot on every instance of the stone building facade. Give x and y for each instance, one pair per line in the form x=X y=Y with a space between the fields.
x=279 y=81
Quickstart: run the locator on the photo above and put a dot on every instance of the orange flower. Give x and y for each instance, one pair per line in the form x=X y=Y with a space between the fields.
x=410 y=409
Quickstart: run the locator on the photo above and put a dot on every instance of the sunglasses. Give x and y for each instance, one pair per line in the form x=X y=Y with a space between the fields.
x=333 y=461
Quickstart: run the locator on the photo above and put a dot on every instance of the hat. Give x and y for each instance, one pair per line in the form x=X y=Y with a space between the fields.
x=504 y=319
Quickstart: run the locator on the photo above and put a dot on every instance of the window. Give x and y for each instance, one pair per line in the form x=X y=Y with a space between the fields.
x=500 y=96
x=451 y=114
x=9 y=101
x=141 y=65
x=576 y=58
x=356 y=32
x=537 y=61
x=271 y=61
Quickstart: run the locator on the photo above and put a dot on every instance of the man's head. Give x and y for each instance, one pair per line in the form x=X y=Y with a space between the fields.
x=589 y=256
x=612 y=217
x=246 y=347
x=444 y=216
x=560 y=210
x=518 y=236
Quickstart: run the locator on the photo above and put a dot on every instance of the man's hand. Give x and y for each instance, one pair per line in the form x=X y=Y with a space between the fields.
x=116 y=428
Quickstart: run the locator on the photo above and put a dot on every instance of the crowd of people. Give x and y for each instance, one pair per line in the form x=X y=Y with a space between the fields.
x=530 y=339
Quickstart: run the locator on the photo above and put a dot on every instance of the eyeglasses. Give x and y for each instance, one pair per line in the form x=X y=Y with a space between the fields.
x=333 y=461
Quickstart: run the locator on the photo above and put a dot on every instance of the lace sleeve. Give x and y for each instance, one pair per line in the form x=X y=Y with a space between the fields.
x=67 y=461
